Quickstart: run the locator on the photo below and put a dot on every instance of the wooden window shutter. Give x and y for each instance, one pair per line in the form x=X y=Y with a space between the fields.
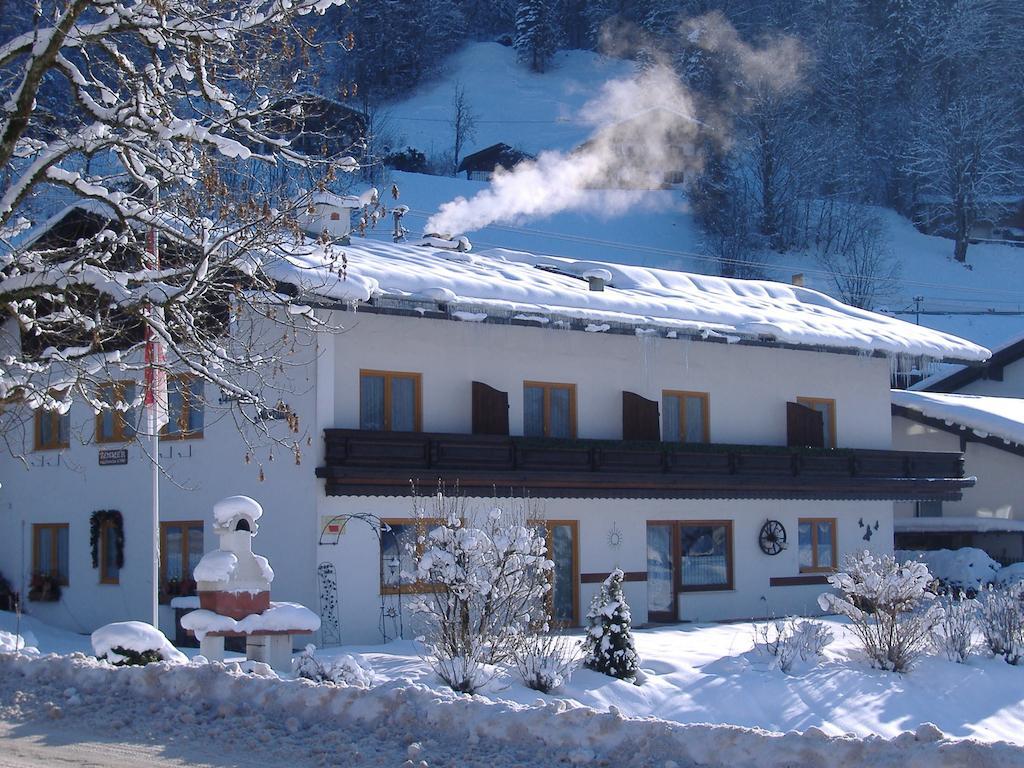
x=640 y=419
x=490 y=410
x=805 y=427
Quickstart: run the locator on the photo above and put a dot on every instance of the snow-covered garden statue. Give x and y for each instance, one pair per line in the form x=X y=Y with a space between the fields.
x=609 y=641
x=234 y=593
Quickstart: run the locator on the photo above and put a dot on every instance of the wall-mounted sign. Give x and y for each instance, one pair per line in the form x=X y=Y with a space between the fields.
x=110 y=457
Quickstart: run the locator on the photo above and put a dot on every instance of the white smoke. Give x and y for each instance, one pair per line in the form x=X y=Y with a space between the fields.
x=644 y=127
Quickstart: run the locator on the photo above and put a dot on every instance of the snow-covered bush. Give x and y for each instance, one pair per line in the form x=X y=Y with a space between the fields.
x=545 y=661
x=1001 y=617
x=967 y=569
x=492 y=577
x=344 y=670
x=134 y=643
x=791 y=639
x=1010 y=574
x=609 y=640
x=953 y=635
x=889 y=607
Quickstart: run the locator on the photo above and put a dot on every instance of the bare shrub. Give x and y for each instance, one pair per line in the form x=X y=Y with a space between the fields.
x=791 y=639
x=545 y=660
x=889 y=607
x=1001 y=618
x=953 y=635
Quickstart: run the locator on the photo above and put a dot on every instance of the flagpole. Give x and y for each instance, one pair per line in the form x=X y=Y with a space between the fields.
x=154 y=431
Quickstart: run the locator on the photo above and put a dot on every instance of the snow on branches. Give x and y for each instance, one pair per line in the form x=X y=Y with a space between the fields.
x=144 y=122
x=609 y=640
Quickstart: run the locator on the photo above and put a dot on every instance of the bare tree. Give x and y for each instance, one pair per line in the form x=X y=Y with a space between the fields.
x=463 y=123
x=144 y=114
x=852 y=246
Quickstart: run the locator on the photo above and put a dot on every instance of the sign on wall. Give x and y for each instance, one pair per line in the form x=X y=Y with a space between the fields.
x=110 y=457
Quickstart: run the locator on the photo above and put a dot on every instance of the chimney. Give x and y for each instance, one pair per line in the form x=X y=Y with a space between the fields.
x=798 y=279
x=331 y=214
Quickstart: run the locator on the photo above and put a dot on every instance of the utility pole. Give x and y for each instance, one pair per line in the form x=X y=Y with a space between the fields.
x=917 y=307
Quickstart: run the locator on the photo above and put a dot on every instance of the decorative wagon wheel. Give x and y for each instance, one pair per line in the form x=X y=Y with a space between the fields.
x=772 y=538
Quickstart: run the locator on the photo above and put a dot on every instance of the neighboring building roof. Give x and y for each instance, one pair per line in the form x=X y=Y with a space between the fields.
x=957 y=379
x=489 y=158
x=957 y=525
x=998 y=417
x=504 y=284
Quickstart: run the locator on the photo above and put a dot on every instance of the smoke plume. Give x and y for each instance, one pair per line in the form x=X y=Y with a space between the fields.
x=646 y=129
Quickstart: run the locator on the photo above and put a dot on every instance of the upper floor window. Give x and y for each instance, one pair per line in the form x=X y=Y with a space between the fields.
x=51 y=429
x=389 y=401
x=549 y=410
x=117 y=423
x=827 y=408
x=817 y=537
x=185 y=409
x=684 y=417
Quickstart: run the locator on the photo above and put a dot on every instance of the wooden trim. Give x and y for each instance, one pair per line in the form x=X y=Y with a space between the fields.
x=419 y=587
x=105 y=577
x=813 y=521
x=185 y=525
x=389 y=376
x=547 y=387
x=682 y=394
x=797 y=581
x=55 y=420
x=730 y=556
x=187 y=406
x=810 y=402
x=119 y=421
x=598 y=578
x=37 y=528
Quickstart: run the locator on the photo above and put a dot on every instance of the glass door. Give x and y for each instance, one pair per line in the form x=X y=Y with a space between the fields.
x=661 y=583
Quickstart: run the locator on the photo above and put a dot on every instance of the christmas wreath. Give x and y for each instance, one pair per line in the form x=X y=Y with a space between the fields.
x=95 y=524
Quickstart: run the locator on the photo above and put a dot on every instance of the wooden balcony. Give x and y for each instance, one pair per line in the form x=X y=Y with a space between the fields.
x=363 y=463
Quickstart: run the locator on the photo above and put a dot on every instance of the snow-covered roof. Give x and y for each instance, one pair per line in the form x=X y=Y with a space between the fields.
x=279 y=617
x=957 y=524
x=503 y=283
x=1000 y=417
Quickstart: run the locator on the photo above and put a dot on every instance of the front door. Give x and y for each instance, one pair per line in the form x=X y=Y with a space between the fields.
x=661 y=581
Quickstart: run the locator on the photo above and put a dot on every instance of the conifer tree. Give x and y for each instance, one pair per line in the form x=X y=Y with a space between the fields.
x=536 y=36
x=609 y=641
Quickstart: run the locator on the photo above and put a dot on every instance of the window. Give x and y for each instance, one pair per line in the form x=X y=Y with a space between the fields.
x=390 y=402
x=181 y=549
x=684 y=417
x=549 y=410
x=562 y=539
x=51 y=429
x=109 y=571
x=117 y=424
x=827 y=408
x=928 y=509
x=50 y=551
x=402 y=541
x=817 y=544
x=185 y=409
x=705 y=555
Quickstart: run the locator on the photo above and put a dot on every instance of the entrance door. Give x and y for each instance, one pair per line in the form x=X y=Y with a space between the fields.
x=661 y=581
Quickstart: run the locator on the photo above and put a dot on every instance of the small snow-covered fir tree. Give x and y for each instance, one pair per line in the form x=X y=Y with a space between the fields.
x=609 y=640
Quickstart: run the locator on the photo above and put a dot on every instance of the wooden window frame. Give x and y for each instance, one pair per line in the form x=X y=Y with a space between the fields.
x=815 y=568
x=549 y=541
x=183 y=432
x=546 y=387
x=810 y=402
x=417 y=379
x=682 y=394
x=55 y=419
x=417 y=587
x=105 y=577
x=730 y=556
x=119 y=420
x=54 y=550
x=185 y=525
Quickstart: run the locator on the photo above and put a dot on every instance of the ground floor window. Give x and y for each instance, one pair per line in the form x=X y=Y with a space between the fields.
x=563 y=550
x=49 y=555
x=817 y=537
x=402 y=541
x=686 y=556
x=110 y=572
x=181 y=549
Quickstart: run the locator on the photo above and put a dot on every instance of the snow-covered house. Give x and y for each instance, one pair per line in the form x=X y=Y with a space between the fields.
x=723 y=442
x=482 y=165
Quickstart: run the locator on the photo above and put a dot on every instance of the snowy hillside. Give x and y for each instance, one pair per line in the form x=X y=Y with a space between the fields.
x=541 y=111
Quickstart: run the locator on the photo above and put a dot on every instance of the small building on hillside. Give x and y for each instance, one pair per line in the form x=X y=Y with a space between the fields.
x=480 y=166
x=990 y=433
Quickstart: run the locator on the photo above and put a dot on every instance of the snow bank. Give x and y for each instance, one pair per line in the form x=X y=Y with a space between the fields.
x=279 y=617
x=968 y=568
x=530 y=735
x=226 y=510
x=501 y=281
x=133 y=636
x=10 y=642
x=1010 y=574
x=1001 y=417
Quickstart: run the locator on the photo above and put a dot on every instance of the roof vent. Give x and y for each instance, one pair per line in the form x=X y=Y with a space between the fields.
x=798 y=279
x=597 y=278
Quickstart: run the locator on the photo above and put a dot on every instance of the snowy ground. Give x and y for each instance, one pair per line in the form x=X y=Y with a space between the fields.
x=847 y=713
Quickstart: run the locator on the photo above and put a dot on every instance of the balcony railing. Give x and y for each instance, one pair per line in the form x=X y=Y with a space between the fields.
x=385 y=463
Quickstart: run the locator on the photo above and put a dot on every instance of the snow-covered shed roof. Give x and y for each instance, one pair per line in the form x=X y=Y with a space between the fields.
x=956 y=379
x=999 y=417
x=505 y=283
